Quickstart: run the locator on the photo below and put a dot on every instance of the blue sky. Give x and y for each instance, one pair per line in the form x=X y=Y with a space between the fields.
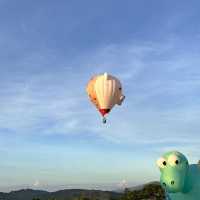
x=51 y=137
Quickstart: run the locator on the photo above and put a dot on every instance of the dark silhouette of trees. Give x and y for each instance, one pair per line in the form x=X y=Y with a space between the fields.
x=149 y=192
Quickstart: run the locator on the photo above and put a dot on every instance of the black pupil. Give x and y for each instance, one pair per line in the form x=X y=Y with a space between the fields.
x=164 y=163
x=176 y=162
x=120 y=88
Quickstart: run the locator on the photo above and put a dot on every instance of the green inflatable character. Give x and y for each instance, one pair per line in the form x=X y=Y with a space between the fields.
x=180 y=179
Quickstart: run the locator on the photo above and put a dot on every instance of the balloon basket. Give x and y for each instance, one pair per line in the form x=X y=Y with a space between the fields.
x=104 y=120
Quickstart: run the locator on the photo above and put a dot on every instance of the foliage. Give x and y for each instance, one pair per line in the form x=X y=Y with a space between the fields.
x=149 y=192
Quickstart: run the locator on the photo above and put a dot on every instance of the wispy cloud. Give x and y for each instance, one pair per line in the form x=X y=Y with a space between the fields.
x=161 y=90
x=49 y=51
x=36 y=183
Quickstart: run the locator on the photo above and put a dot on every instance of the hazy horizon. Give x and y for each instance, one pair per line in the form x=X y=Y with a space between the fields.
x=50 y=133
x=52 y=188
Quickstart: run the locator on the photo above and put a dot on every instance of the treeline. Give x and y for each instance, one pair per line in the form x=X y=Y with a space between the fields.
x=148 y=192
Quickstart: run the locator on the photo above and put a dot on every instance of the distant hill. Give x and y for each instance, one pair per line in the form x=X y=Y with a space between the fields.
x=76 y=194
x=68 y=194
x=138 y=187
x=22 y=194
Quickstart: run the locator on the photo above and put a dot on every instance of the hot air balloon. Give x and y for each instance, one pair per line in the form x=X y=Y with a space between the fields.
x=105 y=91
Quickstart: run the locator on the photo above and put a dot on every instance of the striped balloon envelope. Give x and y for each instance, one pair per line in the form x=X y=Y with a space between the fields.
x=105 y=91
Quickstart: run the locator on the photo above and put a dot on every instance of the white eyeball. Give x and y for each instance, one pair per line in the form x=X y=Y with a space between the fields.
x=161 y=162
x=173 y=160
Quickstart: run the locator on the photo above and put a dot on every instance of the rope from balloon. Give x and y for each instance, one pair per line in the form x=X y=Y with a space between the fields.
x=103 y=113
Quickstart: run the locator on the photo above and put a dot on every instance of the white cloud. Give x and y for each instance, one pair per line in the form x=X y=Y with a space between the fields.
x=55 y=101
x=36 y=183
x=123 y=184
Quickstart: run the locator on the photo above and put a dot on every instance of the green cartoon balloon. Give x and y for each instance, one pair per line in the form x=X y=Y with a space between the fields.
x=180 y=179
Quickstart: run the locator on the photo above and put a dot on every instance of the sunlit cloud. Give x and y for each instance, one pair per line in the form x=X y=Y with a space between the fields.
x=36 y=183
x=48 y=125
x=56 y=102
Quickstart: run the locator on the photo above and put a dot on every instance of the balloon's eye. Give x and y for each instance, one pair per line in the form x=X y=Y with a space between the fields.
x=161 y=163
x=120 y=88
x=173 y=160
x=164 y=163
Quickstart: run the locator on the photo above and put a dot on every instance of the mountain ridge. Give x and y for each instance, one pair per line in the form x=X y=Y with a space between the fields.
x=68 y=194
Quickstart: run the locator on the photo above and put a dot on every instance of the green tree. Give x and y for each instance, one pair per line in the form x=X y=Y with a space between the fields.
x=150 y=191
